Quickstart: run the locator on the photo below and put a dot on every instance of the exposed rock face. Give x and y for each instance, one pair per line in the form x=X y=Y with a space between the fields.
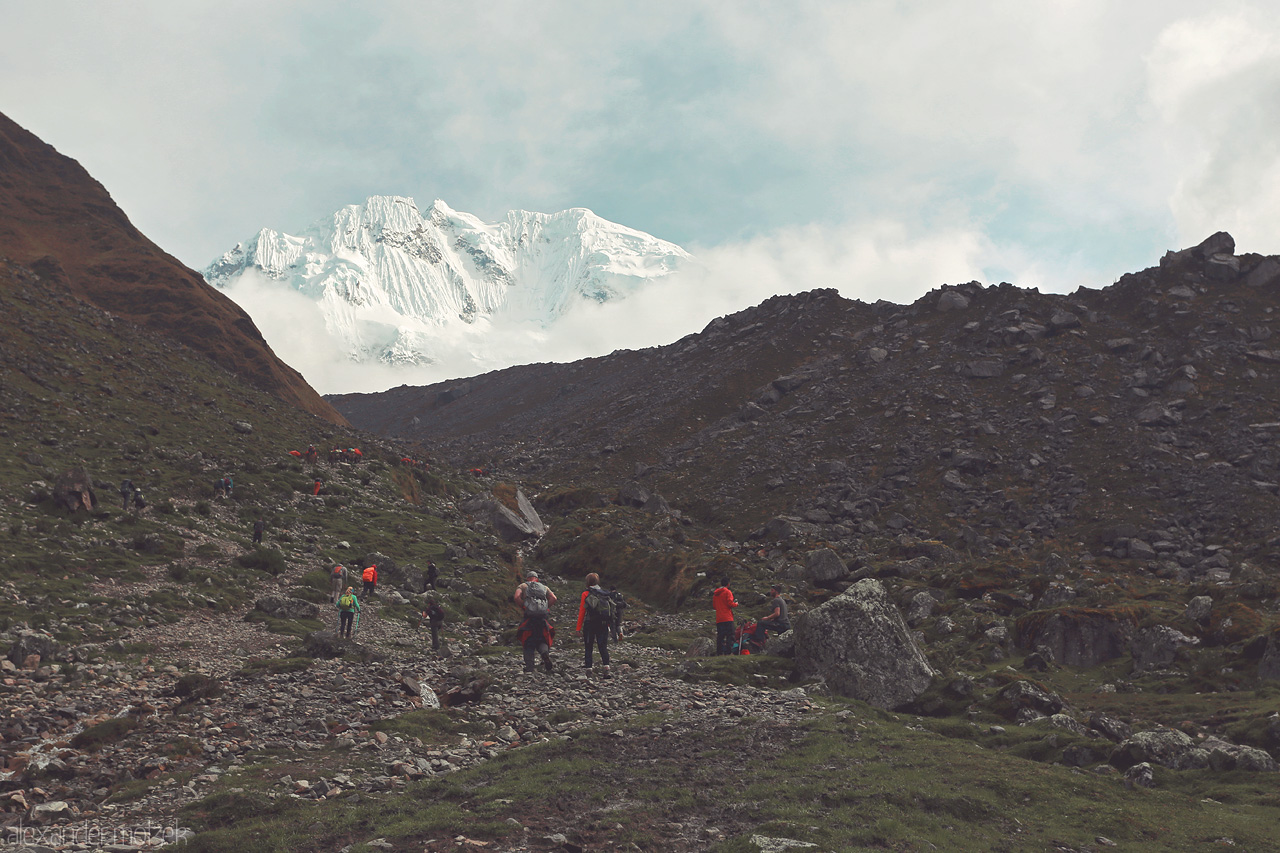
x=1078 y=636
x=74 y=490
x=859 y=643
x=509 y=524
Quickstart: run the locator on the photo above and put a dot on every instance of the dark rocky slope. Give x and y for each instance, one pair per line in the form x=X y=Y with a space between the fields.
x=57 y=219
x=1139 y=420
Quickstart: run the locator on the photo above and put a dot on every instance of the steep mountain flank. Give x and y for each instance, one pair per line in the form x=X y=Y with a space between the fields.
x=57 y=219
x=983 y=417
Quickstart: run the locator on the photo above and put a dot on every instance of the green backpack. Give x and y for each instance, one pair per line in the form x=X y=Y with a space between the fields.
x=346 y=601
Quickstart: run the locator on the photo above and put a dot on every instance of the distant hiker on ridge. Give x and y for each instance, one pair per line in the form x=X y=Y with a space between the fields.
x=126 y=494
x=536 y=633
x=258 y=527
x=723 y=601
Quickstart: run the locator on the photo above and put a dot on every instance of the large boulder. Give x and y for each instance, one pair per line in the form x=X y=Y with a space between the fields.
x=74 y=490
x=1078 y=636
x=824 y=567
x=860 y=645
x=1166 y=747
x=283 y=607
x=1158 y=646
x=512 y=525
x=32 y=643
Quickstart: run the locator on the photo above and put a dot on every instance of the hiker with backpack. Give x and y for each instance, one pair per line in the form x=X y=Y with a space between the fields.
x=338 y=578
x=433 y=573
x=777 y=620
x=536 y=633
x=723 y=601
x=126 y=494
x=258 y=527
x=348 y=606
x=370 y=578
x=435 y=618
x=596 y=612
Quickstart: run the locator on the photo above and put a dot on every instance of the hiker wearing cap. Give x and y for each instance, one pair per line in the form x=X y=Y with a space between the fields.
x=348 y=605
x=536 y=633
x=596 y=611
x=777 y=620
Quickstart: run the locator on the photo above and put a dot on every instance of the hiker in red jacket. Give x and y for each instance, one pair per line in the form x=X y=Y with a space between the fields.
x=370 y=578
x=723 y=601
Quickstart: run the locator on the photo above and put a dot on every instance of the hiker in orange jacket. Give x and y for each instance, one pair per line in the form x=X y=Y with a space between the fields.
x=370 y=578
x=723 y=601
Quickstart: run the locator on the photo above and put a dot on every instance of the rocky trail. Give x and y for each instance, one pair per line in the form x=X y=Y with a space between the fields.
x=214 y=697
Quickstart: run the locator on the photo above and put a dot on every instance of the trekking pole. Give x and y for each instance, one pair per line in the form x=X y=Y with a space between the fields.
x=355 y=630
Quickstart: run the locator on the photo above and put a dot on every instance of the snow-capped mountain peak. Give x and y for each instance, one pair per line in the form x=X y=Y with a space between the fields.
x=389 y=277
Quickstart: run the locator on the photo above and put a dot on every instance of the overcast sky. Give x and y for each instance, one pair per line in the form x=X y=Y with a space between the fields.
x=882 y=148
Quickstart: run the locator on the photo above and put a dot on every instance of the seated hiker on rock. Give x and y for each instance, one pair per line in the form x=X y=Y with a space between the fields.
x=777 y=620
x=595 y=621
x=348 y=605
x=536 y=633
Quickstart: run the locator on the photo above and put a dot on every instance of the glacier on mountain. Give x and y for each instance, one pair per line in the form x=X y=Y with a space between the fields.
x=391 y=280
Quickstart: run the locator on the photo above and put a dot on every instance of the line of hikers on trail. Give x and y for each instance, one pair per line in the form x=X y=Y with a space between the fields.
x=750 y=636
x=343 y=597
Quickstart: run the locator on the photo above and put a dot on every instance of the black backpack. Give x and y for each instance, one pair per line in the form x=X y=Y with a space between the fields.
x=600 y=607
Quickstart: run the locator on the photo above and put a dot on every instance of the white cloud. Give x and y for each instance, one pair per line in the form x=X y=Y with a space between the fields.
x=867 y=261
x=1215 y=81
